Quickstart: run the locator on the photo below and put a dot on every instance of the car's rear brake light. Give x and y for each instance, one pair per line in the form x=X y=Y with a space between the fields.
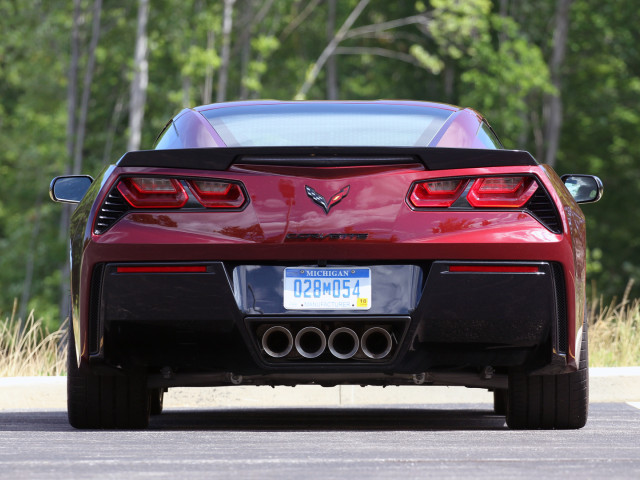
x=163 y=269
x=494 y=269
x=153 y=192
x=217 y=194
x=501 y=192
x=437 y=193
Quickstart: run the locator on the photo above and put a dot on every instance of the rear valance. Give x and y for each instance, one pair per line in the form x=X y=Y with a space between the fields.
x=222 y=158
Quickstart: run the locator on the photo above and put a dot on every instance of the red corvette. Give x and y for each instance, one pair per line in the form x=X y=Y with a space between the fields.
x=369 y=243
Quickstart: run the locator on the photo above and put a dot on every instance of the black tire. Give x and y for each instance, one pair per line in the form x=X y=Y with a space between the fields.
x=156 y=396
x=551 y=401
x=500 y=400
x=101 y=401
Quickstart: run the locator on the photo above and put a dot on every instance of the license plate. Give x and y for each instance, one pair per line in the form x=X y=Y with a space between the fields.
x=310 y=288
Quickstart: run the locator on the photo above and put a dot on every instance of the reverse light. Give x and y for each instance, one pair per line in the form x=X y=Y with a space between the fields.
x=501 y=192
x=217 y=194
x=153 y=192
x=437 y=193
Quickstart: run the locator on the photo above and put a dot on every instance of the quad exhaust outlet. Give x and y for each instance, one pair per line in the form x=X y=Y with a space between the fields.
x=376 y=343
x=310 y=342
x=277 y=342
x=342 y=343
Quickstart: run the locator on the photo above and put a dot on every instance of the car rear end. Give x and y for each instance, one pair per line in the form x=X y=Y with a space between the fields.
x=235 y=271
x=258 y=262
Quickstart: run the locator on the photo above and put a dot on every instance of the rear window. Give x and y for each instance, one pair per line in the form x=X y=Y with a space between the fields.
x=488 y=138
x=318 y=124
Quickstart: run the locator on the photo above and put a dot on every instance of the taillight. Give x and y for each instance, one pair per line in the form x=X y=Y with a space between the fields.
x=217 y=194
x=153 y=192
x=497 y=192
x=437 y=193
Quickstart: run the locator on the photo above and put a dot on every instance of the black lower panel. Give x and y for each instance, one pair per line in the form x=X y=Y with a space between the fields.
x=194 y=324
x=501 y=309
x=177 y=298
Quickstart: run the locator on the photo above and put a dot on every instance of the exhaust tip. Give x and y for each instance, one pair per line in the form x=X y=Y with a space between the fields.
x=310 y=342
x=376 y=343
x=343 y=343
x=277 y=342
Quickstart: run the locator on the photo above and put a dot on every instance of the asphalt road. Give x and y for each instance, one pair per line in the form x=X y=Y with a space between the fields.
x=335 y=442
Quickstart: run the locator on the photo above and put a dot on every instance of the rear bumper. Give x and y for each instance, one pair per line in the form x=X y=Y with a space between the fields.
x=211 y=322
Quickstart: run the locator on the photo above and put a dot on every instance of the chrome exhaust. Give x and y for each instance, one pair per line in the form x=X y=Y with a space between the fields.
x=343 y=343
x=277 y=342
x=310 y=342
x=376 y=343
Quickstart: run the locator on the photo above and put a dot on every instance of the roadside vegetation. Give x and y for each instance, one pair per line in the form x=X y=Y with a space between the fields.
x=29 y=348
x=614 y=332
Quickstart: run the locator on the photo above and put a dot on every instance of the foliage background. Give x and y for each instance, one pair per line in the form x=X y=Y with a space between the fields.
x=495 y=56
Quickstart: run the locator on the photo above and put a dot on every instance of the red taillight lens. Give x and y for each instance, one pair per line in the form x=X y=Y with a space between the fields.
x=437 y=193
x=500 y=192
x=217 y=194
x=153 y=192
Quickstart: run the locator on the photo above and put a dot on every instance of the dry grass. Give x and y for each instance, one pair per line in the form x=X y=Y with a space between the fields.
x=30 y=349
x=614 y=332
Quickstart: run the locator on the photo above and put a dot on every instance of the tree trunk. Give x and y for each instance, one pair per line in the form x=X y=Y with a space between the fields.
x=86 y=88
x=186 y=91
x=332 y=68
x=329 y=49
x=30 y=265
x=207 y=91
x=227 y=24
x=553 y=103
x=65 y=214
x=449 y=80
x=72 y=95
x=113 y=126
x=245 y=47
x=140 y=78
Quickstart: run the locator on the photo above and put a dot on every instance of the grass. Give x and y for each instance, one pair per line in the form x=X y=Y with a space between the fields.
x=614 y=332
x=30 y=349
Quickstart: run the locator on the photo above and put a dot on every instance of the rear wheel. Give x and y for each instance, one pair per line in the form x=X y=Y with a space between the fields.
x=156 y=396
x=550 y=401
x=97 y=401
x=500 y=399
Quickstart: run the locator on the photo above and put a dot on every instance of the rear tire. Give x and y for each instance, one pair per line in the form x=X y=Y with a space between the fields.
x=500 y=400
x=156 y=396
x=101 y=401
x=551 y=401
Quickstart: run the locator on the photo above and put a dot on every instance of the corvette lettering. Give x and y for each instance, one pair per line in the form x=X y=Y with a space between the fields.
x=328 y=236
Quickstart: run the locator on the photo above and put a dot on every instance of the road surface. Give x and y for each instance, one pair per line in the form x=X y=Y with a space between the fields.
x=354 y=442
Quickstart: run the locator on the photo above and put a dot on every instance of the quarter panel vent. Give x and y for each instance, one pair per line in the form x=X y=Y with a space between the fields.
x=541 y=206
x=112 y=210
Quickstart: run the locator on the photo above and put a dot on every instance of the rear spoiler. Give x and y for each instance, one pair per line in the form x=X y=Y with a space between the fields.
x=221 y=158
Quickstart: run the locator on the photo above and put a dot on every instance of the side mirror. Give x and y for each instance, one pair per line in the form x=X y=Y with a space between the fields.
x=583 y=188
x=70 y=188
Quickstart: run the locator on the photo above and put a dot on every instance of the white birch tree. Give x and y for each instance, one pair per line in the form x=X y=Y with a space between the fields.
x=140 y=80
